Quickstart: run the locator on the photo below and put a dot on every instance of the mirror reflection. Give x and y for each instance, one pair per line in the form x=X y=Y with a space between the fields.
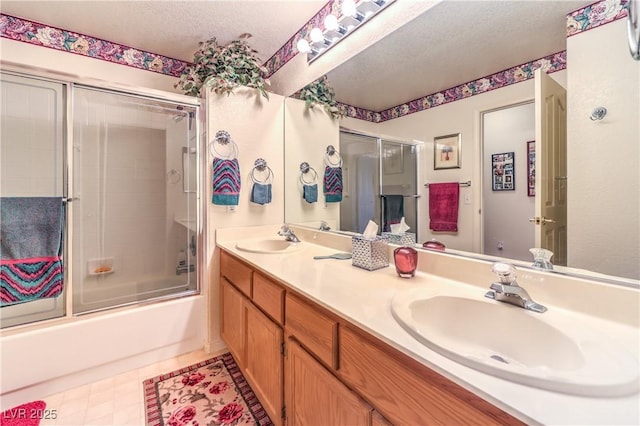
x=601 y=179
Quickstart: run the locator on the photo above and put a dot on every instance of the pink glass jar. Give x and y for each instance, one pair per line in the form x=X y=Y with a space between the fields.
x=406 y=260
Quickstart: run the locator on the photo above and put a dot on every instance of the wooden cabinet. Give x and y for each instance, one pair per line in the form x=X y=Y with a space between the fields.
x=264 y=363
x=334 y=372
x=236 y=272
x=269 y=297
x=232 y=324
x=315 y=330
x=316 y=397
x=253 y=337
x=405 y=391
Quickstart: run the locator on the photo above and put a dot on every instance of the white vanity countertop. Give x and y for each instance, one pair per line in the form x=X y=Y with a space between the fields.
x=364 y=298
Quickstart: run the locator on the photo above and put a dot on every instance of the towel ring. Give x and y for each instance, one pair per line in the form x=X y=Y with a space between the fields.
x=223 y=140
x=304 y=169
x=332 y=153
x=260 y=165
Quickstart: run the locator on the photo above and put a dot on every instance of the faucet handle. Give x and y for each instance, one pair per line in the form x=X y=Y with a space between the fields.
x=506 y=272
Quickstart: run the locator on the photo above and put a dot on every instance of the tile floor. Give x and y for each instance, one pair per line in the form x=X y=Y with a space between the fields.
x=116 y=401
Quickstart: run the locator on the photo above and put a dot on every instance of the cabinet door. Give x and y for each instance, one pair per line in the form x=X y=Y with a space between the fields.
x=264 y=361
x=316 y=397
x=232 y=328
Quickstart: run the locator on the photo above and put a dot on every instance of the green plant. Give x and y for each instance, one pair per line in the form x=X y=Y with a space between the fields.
x=320 y=92
x=223 y=68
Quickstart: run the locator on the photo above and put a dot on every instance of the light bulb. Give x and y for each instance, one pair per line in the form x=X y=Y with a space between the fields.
x=349 y=8
x=303 y=46
x=316 y=35
x=331 y=22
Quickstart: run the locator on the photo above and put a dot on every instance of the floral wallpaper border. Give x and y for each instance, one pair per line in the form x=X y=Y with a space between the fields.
x=595 y=15
x=523 y=72
x=19 y=29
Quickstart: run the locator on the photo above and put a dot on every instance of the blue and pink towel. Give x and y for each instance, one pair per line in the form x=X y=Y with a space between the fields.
x=226 y=182
x=332 y=184
x=31 y=266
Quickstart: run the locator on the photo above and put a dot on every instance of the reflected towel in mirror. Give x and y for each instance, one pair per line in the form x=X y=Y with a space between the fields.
x=333 y=184
x=443 y=206
x=393 y=208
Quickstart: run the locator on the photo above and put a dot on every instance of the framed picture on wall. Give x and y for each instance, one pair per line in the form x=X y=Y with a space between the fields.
x=503 y=175
x=446 y=152
x=531 y=168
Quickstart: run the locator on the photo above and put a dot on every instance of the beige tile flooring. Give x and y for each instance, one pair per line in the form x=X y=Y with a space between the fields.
x=116 y=401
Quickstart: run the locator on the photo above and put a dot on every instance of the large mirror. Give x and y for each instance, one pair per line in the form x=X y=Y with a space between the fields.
x=458 y=42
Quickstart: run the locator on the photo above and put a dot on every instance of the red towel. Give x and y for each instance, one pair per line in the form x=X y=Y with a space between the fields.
x=443 y=206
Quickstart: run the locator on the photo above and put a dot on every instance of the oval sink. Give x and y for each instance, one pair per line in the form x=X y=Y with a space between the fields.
x=550 y=351
x=268 y=245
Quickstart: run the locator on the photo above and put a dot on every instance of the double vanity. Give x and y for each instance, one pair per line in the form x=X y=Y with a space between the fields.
x=324 y=342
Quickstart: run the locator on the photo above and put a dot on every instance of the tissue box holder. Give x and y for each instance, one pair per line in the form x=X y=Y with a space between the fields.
x=404 y=239
x=370 y=254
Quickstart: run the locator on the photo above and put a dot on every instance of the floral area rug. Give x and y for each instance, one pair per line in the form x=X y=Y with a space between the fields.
x=209 y=393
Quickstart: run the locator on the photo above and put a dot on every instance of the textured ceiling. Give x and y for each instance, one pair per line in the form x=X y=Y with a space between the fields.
x=454 y=42
x=173 y=28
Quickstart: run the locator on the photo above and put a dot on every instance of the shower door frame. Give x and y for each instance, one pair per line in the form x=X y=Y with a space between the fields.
x=69 y=81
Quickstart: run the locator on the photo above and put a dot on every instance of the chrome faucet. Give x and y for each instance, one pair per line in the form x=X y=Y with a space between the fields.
x=288 y=234
x=507 y=289
x=324 y=226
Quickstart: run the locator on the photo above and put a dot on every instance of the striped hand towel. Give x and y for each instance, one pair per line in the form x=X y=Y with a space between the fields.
x=31 y=265
x=226 y=182
x=333 y=184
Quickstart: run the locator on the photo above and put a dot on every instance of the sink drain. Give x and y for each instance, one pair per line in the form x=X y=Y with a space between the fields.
x=499 y=358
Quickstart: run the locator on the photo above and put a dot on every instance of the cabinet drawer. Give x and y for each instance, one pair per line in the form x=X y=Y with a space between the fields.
x=315 y=330
x=236 y=272
x=269 y=296
x=405 y=391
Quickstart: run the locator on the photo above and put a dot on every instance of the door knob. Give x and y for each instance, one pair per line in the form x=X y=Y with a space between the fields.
x=541 y=220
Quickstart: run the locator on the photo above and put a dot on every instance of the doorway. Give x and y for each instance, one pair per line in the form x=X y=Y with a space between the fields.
x=507 y=203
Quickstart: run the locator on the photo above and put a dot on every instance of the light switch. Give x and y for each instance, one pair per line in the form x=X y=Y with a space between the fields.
x=467 y=198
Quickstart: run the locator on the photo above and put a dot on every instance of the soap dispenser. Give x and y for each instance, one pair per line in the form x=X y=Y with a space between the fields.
x=541 y=258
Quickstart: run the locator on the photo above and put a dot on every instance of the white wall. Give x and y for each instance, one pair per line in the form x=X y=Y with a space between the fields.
x=604 y=214
x=308 y=132
x=257 y=127
x=506 y=213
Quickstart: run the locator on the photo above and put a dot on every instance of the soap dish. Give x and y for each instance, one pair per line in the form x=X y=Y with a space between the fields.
x=101 y=266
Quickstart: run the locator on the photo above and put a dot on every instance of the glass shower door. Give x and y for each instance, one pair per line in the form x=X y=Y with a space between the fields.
x=31 y=168
x=134 y=227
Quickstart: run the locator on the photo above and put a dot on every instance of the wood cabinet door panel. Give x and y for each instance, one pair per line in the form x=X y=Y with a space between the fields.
x=316 y=398
x=316 y=331
x=406 y=392
x=269 y=296
x=232 y=324
x=236 y=272
x=264 y=361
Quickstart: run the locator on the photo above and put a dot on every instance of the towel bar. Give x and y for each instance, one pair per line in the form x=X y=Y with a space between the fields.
x=467 y=183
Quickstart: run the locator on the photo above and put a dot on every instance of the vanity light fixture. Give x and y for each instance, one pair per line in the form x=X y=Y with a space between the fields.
x=354 y=14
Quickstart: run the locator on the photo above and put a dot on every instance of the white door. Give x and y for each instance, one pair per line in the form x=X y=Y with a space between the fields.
x=551 y=167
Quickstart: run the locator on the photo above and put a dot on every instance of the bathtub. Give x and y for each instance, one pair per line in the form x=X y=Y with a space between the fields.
x=50 y=358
